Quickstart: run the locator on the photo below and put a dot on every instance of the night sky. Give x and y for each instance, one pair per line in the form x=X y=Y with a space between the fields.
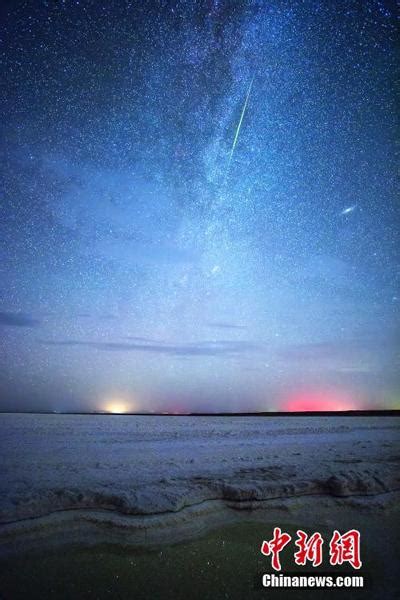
x=199 y=205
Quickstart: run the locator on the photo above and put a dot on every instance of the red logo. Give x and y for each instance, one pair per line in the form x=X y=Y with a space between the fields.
x=275 y=547
x=310 y=549
x=342 y=548
x=345 y=548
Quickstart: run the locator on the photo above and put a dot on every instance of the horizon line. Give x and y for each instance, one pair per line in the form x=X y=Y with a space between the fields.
x=357 y=412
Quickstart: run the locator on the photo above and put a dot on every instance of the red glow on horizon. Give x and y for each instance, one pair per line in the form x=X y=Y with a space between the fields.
x=320 y=400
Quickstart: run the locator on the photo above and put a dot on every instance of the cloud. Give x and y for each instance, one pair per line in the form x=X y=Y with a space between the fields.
x=224 y=348
x=17 y=319
x=334 y=349
x=313 y=351
x=138 y=338
x=224 y=325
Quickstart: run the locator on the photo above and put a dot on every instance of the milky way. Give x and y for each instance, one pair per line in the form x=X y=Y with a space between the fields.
x=142 y=260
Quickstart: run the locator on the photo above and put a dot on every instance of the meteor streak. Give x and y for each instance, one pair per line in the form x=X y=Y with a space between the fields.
x=238 y=127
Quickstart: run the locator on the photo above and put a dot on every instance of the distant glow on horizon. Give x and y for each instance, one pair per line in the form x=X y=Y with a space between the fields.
x=319 y=400
x=118 y=407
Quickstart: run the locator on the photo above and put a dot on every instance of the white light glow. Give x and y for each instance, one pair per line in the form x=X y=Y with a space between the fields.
x=117 y=406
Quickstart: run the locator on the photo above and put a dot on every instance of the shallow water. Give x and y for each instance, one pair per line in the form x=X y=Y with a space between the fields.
x=224 y=564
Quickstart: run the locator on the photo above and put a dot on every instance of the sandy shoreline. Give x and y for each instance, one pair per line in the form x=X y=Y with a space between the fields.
x=144 y=480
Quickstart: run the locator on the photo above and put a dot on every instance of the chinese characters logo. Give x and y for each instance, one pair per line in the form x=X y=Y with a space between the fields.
x=342 y=548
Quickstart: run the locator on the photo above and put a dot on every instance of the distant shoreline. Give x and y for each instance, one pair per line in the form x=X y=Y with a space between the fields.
x=331 y=413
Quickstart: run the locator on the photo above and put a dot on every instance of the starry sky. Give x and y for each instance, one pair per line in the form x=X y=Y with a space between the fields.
x=198 y=205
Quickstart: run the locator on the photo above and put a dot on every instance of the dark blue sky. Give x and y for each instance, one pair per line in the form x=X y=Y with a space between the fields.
x=140 y=264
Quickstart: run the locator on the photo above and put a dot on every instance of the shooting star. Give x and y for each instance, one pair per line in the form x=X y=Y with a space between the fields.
x=348 y=210
x=238 y=128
